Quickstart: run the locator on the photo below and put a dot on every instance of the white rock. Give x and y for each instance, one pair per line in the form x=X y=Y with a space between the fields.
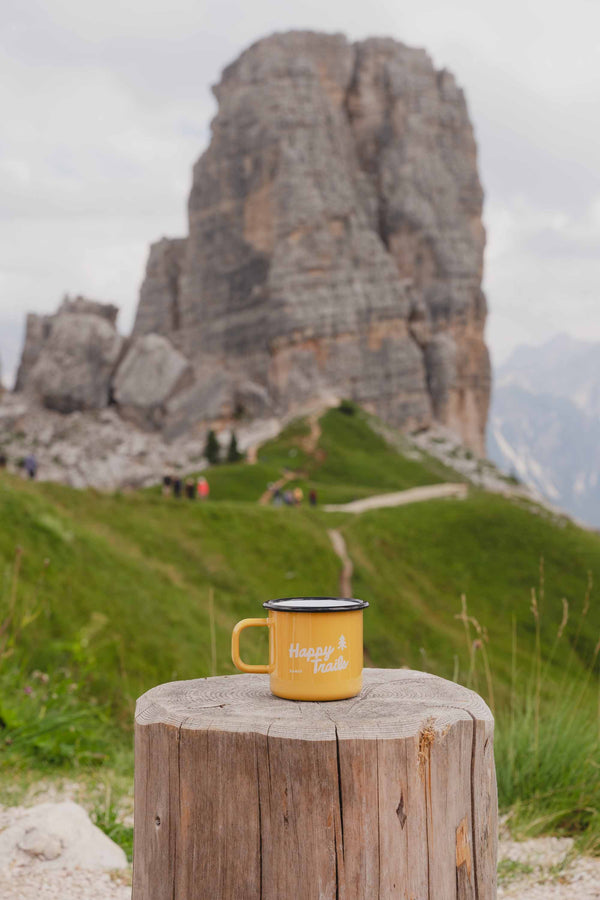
x=41 y=844
x=55 y=835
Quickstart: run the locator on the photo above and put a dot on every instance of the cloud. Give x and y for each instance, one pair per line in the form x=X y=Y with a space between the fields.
x=542 y=273
x=106 y=105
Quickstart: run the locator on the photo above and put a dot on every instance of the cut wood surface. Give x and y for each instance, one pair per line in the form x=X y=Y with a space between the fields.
x=239 y=794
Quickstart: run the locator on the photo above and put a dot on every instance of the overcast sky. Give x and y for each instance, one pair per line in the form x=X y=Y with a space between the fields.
x=106 y=105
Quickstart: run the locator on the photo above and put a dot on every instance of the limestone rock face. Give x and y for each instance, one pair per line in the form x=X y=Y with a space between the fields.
x=158 y=309
x=335 y=248
x=69 y=357
x=207 y=400
x=414 y=139
x=335 y=238
x=150 y=372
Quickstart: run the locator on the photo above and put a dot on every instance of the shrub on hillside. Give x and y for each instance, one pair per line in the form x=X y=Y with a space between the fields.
x=233 y=454
x=212 y=450
x=347 y=407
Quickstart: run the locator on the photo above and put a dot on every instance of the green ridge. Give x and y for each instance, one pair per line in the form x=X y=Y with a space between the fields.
x=123 y=603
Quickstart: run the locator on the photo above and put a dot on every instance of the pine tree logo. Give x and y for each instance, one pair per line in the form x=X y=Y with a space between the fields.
x=342 y=643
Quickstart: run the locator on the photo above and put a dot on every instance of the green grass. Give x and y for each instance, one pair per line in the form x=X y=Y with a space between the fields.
x=510 y=869
x=551 y=784
x=107 y=815
x=351 y=461
x=110 y=596
x=145 y=565
x=413 y=563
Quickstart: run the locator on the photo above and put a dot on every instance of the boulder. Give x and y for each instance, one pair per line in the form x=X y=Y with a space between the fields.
x=69 y=357
x=74 y=369
x=55 y=836
x=151 y=371
x=39 y=327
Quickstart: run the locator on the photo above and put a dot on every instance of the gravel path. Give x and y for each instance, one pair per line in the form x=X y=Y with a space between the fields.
x=266 y=498
x=60 y=884
x=339 y=546
x=400 y=498
x=537 y=869
x=544 y=869
x=550 y=877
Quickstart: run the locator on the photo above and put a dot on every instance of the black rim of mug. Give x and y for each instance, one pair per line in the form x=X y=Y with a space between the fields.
x=322 y=604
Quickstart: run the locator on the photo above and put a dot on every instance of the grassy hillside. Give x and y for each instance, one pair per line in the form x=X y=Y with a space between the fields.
x=109 y=594
x=348 y=461
x=413 y=563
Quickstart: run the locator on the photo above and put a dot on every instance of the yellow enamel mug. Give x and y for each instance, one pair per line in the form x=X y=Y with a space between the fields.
x=315 y=647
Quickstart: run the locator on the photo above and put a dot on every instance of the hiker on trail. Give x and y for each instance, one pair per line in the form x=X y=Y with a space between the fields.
x=166 y=485
x=312 y=498
x=203 y=488
x=277 y=497
x=30 y=465
x=190 y=489
x=177 y=487
x=298 y=496
x=288 y=498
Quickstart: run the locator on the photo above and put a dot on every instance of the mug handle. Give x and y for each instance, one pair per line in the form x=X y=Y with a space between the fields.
x=235 y=646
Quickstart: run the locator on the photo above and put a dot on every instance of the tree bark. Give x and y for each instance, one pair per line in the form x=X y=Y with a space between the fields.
x=242 y=795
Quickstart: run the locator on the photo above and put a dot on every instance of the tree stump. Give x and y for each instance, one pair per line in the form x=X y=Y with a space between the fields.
x=242 y=795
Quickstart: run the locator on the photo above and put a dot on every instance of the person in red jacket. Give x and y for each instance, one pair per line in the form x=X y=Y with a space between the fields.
x=203 y=488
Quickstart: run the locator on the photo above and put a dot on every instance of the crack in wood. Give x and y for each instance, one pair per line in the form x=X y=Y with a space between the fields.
x=425 y=740
x=337 y=872
x=339 y=779
x=174 y=830
x=260 y=867
x=378 y=822
x=473 y=807
x=268 y=760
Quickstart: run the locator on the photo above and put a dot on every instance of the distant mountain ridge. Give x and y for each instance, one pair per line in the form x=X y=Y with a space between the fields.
x=562 y=367
x=545 y=422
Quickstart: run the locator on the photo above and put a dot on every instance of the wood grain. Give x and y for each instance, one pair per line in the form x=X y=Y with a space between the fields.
x=240 y=794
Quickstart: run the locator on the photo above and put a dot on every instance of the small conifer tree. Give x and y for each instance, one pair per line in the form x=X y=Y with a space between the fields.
x=212 y=451
x=233 y=454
